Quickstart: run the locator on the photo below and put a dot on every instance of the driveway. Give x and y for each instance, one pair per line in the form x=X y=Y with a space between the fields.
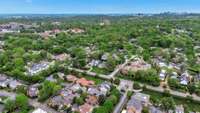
x=121 y=103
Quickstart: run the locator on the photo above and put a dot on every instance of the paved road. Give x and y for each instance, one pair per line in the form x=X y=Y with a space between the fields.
x=107 y=77
x=121 y=67
x=172 y=92
x=32 y=102
x=123 y=100
x=91 y=73
x=121 y=103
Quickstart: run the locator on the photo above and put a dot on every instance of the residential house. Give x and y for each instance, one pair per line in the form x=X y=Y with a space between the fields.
x=93 y=91
x=162 y=75
x=51 y=78
x=45 y=34
x=38 y=110
x=57 y=102
x=75 y=108
x=38 y=67
x=104 y=57
x=176 y=66
x=136 y=103
x=67 y=86
x=153 y=109
x=56 y=23
x=92 y=100
x=101 y=89
x=71 y=78
x=85 y=108
x=33 y=91
x=76 y=30
x=162 y=64
x=4 y=81
x=51 y=33
x=61 y=75
x=179 y=109
x=125 y=85
x=134 y=106
x=174 y=75
x=159 y=62
x=104 y=88
x=13 y=27
x=144 y=98
x=185 y=78
x=61 y=57
x=177 y=31
x=94 y=63
x=178 y=50
x=13 y=84
x=8 y=82
x=89 y=50
x=84 y=82
x=136 y=65
x=102 y=65
x=76 y=88
x=63 y=100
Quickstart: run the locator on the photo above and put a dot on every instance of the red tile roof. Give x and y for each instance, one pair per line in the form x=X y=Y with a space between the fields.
x=85 y=82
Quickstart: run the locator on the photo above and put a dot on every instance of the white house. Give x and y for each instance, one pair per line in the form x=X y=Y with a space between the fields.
x=38 y=110
x=162 y=74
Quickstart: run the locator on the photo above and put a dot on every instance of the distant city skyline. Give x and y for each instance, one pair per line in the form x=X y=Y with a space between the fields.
x=97 y=6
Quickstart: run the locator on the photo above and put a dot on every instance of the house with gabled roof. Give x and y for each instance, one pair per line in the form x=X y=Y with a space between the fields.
x=137 y=102
x=136 y=65
x=162 y=75
x=84 y=82
x=33 y=91
x=39 y=110
x=4 y=81
x=13 y=84
x=92 y=100
x=37 y=67
x=179 y=109
x=71 y=78
x=185 y=78
x=61 y=57
x=153 y=109
x=85 y=108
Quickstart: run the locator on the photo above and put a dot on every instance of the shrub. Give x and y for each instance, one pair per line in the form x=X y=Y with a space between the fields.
x=136 y=85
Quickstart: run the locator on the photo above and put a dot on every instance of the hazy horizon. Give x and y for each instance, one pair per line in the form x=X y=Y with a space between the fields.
x=98 y=6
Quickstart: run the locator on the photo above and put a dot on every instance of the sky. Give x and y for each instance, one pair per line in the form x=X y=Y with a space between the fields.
x=97 y=6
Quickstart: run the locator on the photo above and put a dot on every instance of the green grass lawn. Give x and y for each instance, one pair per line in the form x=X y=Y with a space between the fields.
x=95 y=79
x=191 y=105
x=100 y=71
